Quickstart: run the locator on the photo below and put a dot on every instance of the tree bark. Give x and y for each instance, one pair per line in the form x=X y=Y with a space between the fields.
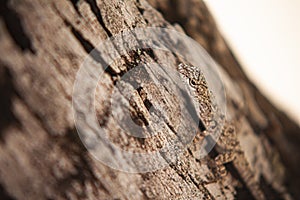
x=44 y=43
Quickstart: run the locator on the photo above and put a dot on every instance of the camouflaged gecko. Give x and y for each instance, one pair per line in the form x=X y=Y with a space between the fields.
x=228 y=146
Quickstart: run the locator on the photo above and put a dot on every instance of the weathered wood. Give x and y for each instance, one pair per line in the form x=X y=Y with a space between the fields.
x=43 y=44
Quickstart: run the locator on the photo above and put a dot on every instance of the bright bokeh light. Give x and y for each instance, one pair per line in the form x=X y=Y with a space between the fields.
x=265 y=36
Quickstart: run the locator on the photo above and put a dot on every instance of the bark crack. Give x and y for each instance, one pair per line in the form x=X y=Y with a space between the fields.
x=95 y=9
x=75 y=6
x=8 y=92
x=4 y=195
x=90 y=49
x=15 y=27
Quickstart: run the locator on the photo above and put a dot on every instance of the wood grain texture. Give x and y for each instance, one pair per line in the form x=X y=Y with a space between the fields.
x=43 y=44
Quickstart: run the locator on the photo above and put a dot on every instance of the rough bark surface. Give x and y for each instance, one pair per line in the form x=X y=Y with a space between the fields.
x=43 y=44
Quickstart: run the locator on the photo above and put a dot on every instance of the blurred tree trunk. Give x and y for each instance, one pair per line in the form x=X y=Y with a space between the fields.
x=43 y=44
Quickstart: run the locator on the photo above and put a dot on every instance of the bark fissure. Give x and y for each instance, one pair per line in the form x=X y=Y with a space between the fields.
x=4 y=194
x=97 y=12
x=7 y=92
x=75 y=6
x=15 y=27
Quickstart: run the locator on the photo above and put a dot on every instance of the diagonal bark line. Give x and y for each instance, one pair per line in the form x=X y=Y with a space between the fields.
x=15 y=27
x=95 y=9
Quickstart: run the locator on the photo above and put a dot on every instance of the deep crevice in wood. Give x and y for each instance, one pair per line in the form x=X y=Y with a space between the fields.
x=269 y=191
x=4 y=195
x=7 y=91
x=241 y=192
x=91 y=50
x=15 y=27
x=146 y=101
x=97 y=13
x=75 y=5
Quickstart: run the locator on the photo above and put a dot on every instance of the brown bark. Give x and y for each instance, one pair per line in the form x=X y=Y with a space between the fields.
x=43 y=44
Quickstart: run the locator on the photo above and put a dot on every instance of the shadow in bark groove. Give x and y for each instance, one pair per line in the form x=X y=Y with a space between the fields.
x=7 y=92
x=15 y=28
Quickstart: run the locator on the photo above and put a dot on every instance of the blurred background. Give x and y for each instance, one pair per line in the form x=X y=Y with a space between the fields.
x=265 y=37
